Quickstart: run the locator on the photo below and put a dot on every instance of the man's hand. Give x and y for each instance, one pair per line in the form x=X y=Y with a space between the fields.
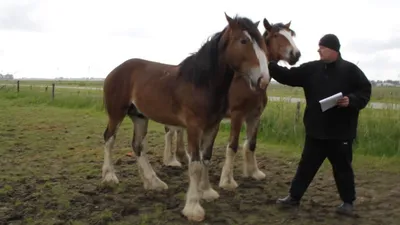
x=343 y=102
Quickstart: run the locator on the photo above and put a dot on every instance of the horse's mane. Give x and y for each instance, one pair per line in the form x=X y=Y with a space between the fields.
x=277 y=27
x=202 y=66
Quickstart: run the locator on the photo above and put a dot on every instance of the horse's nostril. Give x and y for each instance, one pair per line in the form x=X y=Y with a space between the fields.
x=298 y=54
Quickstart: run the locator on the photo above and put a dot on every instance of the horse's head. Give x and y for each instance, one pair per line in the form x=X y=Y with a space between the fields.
x=245 y=50
x=279 y=40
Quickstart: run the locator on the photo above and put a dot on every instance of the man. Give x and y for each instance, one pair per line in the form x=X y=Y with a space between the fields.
x=329 y=134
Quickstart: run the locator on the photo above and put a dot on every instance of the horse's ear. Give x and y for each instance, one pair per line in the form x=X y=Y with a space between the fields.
x=231 y=22
x=267 y=26
x=288 y=25
x=256 y=23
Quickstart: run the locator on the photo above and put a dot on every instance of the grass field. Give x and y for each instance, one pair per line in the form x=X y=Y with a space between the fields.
x=379 y=130
x=52 y=154
x=73 y=83
x=379 y=93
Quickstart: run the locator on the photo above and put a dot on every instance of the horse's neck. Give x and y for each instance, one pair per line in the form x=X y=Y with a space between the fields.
x=218 y=92
x=224 y=77
x=272 y=57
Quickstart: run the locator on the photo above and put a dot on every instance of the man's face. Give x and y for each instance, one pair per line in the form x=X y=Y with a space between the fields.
x=326 y=54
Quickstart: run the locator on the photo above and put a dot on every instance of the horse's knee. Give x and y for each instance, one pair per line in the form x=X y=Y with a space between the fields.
x=166 y=129
x=252 y=144
x=207 y=154
x=137 y=148
x=106 y=135
x=234 y=145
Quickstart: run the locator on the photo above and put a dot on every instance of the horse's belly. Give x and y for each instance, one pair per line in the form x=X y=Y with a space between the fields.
x=159 y=111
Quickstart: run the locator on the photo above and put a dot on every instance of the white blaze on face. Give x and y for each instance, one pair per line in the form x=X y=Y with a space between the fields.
x=289 y=37
x=262 y=59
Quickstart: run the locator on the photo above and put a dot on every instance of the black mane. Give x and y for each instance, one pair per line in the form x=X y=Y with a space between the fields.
x=277 y=27
x=249 y=26
x=201 y=67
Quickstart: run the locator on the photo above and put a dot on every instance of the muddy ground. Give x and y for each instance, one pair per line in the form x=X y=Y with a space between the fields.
x=51 y=172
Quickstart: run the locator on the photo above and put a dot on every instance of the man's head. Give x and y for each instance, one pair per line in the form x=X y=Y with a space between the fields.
x=329 y=47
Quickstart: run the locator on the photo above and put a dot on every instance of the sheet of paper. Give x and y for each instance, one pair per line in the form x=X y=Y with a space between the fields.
x=330 y=101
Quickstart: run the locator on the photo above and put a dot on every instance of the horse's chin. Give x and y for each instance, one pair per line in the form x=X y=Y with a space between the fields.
x=261 y=84
x=292 y=62
x=252 y=85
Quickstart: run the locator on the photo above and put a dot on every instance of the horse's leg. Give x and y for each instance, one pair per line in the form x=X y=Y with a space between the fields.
x=207 y=145
x=180 y=146
x=168 y=145
x=193 y=210
x=139 y=146
x=169 y=158
x=108 y=172
x=227 y=181
x=250 y=167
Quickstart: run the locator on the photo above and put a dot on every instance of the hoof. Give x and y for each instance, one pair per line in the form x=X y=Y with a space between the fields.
x=228 y=184
x=155 y=184
x=258 y=175
x=194 y=212
x=110 y=178
x=173 y=163
x=210 y=195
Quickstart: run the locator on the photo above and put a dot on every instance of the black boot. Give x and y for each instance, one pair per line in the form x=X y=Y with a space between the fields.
x=288 y=201
x=345 y=209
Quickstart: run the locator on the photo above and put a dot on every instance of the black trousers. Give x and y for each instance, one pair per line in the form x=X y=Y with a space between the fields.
x=340 y=155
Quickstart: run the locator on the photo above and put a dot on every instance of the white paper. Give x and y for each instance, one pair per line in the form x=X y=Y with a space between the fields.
x=330 y=101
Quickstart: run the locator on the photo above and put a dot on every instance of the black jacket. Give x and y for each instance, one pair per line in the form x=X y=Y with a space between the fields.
x=320 y=80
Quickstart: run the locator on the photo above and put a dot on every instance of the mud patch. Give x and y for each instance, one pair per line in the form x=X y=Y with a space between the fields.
x=71 y=198
x=53 y=176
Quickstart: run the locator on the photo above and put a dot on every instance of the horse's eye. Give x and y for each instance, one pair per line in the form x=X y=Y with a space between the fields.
x=243 y=41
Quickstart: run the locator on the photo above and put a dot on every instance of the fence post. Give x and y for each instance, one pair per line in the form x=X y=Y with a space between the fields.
x=298 y=111
x=17 y=85
x=52 y=90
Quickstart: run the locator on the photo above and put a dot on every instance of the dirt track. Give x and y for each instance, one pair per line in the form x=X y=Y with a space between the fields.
x=50 y=173
x=252 y=203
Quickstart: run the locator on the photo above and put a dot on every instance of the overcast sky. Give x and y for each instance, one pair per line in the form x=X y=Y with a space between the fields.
x=87 y=38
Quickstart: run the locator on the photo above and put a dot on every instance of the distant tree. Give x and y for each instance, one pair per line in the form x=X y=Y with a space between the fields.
x=8 y=77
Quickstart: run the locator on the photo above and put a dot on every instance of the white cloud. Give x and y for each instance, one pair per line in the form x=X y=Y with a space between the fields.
x=51 y=38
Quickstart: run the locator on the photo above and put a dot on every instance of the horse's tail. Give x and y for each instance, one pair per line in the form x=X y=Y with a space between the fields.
x=117 y=90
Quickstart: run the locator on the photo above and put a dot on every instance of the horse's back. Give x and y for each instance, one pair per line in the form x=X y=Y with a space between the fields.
x=118 y=84
x=140 y=82
x=137 y=71
x=138 y=64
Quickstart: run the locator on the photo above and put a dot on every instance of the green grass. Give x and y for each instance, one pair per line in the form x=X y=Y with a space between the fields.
x=72 y=83
x=52 y=153
x=65 y=98
x=378 y=132
x=379 y=93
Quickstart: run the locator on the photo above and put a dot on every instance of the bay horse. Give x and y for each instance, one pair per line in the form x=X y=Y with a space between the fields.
x=245 y=105
x=192 y=95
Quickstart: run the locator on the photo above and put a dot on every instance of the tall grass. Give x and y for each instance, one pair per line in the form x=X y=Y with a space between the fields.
x=379 y=93
x=281 y=123
x=65 y=98
x=72 y=83
x=378 y=131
